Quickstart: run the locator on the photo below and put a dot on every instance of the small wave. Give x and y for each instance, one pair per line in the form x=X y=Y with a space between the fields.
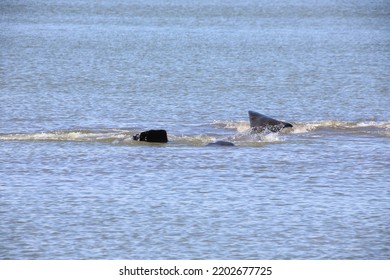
x=302 y=127
x=355 y=127
x=365 y=127
x=77 y=136
x=112 y=136
x=240 y=136
x=385 y=125
x=195 y=140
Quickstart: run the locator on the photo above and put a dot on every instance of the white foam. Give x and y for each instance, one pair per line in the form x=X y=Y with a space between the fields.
x=200 y=139
x=334 y=124
x=239 y=126
x=81 y=136
x=385 y=125
x=241 y=134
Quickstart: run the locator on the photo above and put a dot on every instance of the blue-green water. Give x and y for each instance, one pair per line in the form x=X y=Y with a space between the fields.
x=79 y=78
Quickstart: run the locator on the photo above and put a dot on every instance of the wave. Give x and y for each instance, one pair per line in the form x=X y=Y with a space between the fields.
x=125 y=137
x=364 y=127
x=239 y=133
x=70 y=135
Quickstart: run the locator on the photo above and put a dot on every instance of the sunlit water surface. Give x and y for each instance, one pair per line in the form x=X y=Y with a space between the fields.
x=79 y=78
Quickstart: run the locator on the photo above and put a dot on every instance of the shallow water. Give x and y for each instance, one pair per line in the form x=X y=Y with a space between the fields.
x=78 y=80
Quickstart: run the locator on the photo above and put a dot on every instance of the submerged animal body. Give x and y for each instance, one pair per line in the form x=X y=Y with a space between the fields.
x=221 y=143
x=260 y=123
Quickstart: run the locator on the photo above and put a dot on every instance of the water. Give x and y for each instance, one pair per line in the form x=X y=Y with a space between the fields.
x=79 y=78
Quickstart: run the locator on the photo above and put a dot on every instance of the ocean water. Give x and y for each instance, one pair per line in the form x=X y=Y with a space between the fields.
x=79 y=78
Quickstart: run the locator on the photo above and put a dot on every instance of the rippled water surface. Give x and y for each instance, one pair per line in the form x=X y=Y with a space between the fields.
x=79 y=78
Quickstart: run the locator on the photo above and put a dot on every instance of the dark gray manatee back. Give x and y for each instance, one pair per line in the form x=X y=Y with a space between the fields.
x=259 y=123
x=221 y=143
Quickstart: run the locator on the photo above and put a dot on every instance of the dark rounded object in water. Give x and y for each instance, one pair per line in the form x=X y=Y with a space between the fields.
x=157 y=136
x=221 y=143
